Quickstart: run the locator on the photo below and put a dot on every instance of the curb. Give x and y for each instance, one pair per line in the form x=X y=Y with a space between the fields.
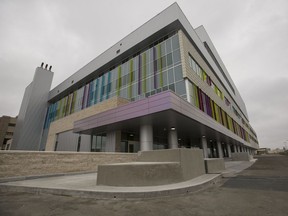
x=114 y=195
x=22 y=178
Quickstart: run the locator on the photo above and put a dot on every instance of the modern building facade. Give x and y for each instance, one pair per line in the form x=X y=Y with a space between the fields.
x=162 y=86
x=7 y=127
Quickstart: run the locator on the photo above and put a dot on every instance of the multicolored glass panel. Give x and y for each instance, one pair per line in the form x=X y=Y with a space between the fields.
x=156 y=69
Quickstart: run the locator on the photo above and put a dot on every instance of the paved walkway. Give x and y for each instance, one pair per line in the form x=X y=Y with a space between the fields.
x=235 y=167
x=84 y=185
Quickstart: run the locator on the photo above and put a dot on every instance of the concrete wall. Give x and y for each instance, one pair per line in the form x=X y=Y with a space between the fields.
x=24 y=163
x=153 y=168
x=139 y=174
x=191 y=160
x=214 y=165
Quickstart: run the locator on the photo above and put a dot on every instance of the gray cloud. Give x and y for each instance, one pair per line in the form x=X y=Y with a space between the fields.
x=250 y=36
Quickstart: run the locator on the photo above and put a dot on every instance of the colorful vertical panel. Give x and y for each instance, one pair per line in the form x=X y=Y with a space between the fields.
x=154 y=67
x=119 y=80
x=73 y=102
x=144 y=84
x=139 y=74
x=108 y=85
x=160 y=65
x=102 y=88
x=131 y=75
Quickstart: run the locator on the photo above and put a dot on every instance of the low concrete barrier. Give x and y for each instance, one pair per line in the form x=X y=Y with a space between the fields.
x=139 y=174
x=153 y=168
x=191 y=160
x=28 y=163
x=214 y=165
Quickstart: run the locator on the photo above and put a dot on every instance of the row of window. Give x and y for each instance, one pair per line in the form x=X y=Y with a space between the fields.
x=252 y=138
x=152 y=71
x=243 y=121
x=207 y=105
x=203 y=75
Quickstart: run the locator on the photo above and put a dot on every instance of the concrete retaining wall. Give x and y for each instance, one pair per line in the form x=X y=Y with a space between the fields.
x=214 y=165
x=153 y=168
x=191 y=160
x=24 y=163
x=139 y=174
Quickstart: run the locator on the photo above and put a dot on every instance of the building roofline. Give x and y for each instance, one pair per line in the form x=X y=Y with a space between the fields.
x=172 y=18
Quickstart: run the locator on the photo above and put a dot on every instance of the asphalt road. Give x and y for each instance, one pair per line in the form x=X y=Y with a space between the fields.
x=262 y=190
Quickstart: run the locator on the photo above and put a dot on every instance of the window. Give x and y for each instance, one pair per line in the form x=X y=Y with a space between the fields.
x=154 y=69
x=203 y=75
x=227 y=102
x=98 y=143
x=203 y=102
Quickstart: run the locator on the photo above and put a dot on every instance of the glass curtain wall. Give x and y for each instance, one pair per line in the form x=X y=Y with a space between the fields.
x=156 y=69
x=98 y=142
x=203 y=102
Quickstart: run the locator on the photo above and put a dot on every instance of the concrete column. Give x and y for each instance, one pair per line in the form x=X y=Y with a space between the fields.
x=204 y=147
x=146 y=137
x=113 y=139
x=172 y=139
x=229 y=150
x=219 y=148
x=236 y=148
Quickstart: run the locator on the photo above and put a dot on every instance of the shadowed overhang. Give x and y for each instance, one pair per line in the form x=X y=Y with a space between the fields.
x=163 y=110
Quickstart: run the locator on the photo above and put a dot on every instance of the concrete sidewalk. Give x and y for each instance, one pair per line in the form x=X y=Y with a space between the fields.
x=84 y=185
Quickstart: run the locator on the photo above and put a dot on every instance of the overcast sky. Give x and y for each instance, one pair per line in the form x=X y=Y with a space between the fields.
x=250 y=36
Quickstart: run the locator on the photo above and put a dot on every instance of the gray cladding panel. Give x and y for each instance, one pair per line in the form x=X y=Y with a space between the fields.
x=67 y=141
x=33 y=111
x=21 y=118
x=85 y=143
